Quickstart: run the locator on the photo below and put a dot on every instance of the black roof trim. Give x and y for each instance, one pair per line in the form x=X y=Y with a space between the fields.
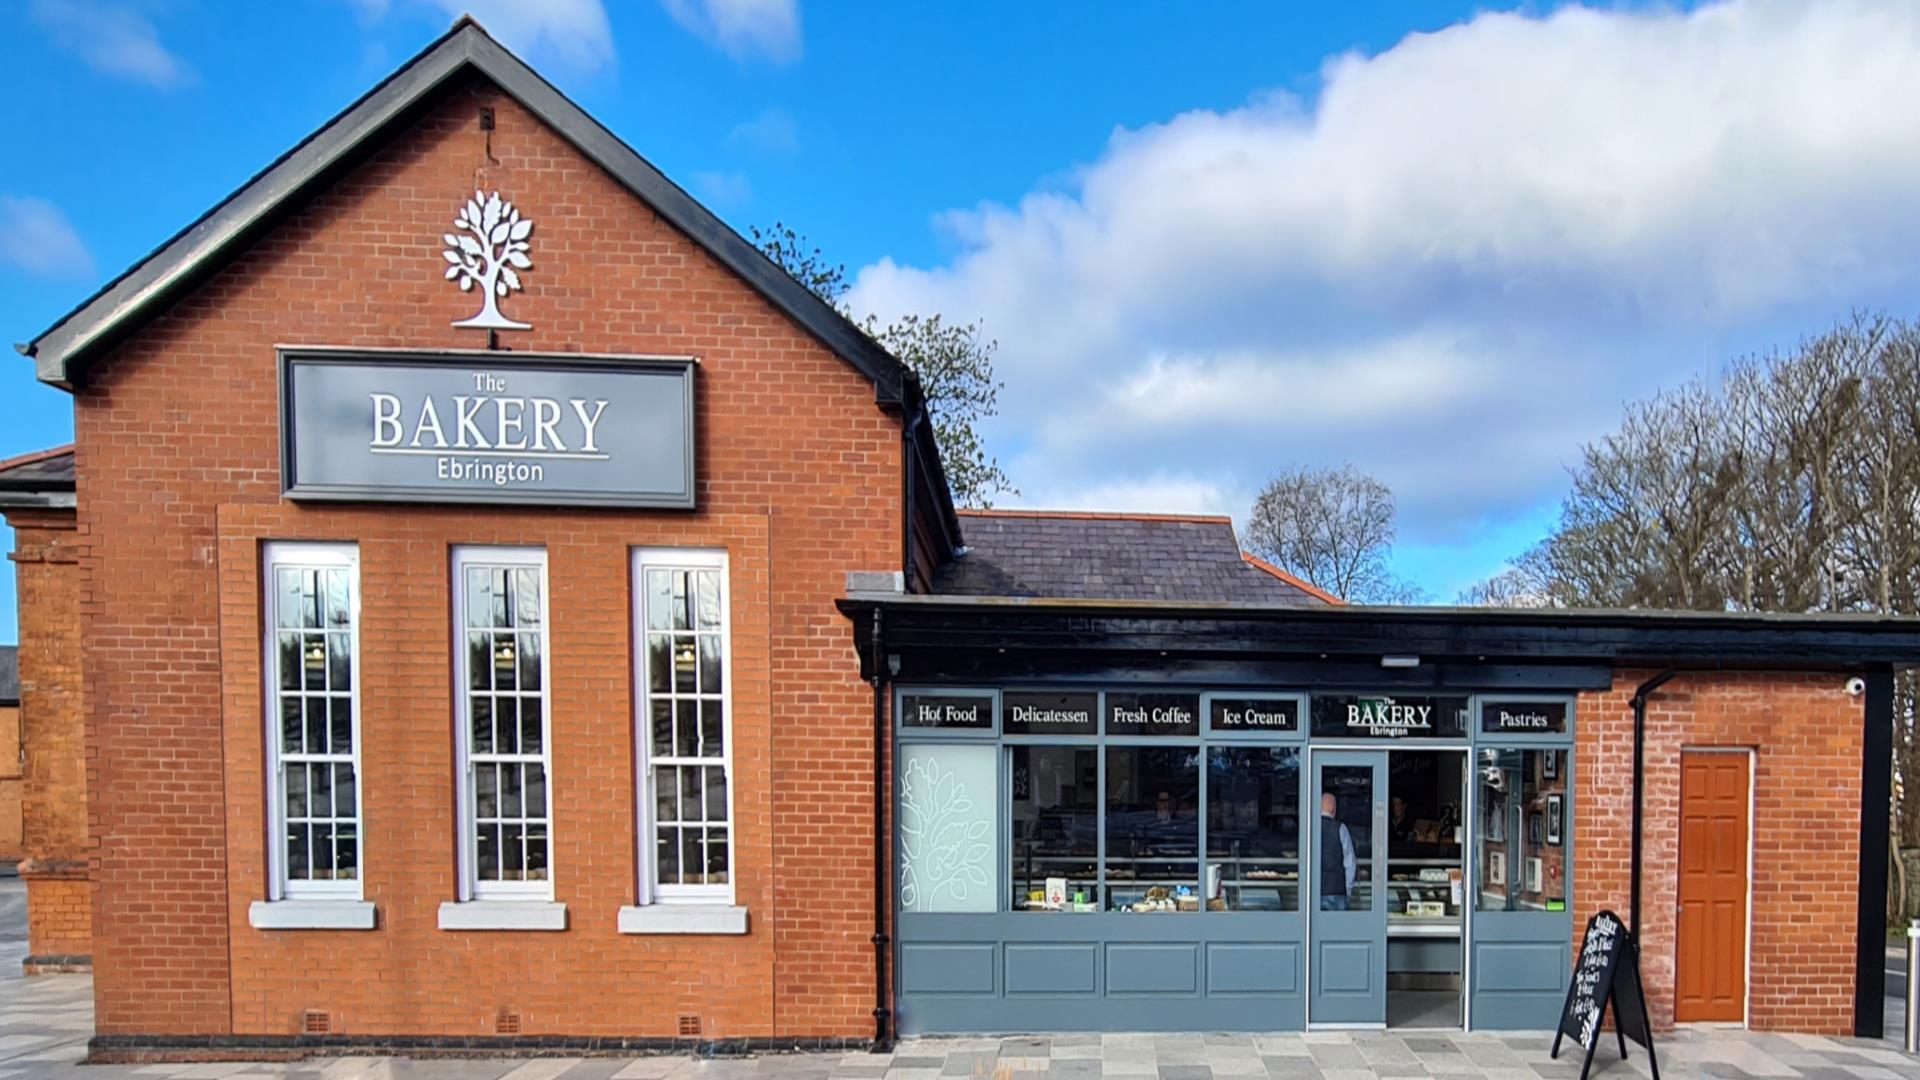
x=63 y=352
x=970 y=627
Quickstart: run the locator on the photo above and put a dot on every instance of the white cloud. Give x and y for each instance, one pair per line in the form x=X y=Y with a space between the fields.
x=742 y=28
x=572 y=32
x=725 y=190
x=773 y=131
x=1449 y=264
x=36 y=237
x=114 y=39
x=1166 y=493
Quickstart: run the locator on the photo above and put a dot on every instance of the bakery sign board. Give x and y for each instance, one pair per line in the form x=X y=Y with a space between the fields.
x=1389 y=716
x=487 y=427
x=1523 y=717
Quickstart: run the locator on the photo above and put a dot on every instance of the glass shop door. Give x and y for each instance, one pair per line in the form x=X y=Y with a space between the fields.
x=1347 y=952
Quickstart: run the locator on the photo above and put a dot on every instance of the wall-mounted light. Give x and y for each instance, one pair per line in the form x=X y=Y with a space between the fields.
x=316 y=656
x=683 y=656
x=503 y=655
x=1399 y=661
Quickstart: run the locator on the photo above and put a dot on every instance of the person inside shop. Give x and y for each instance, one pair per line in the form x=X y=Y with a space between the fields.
x=1400 y=827
x=1337 y=863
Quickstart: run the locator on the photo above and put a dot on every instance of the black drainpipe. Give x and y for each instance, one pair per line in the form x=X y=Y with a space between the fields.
x=882 y=1015
x=1639 y=781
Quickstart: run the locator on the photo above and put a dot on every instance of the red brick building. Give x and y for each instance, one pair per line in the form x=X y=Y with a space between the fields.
x=420 y=708
x=37 y=498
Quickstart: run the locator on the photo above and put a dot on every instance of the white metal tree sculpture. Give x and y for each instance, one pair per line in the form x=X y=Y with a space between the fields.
x=488 y=252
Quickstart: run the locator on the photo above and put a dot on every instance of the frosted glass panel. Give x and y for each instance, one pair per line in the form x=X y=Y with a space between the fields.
x=948 y=826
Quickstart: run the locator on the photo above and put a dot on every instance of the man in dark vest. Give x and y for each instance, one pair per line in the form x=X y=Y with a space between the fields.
x=1337 y=862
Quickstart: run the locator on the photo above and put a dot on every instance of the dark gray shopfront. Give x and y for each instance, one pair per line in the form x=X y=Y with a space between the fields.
x=1117 y=855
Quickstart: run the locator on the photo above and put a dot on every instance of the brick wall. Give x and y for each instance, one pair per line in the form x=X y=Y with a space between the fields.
x=54 y=846
x=177 y=443
x=1806 y=807
x=10 y=773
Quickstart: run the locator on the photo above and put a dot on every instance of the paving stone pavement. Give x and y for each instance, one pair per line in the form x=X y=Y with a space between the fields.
x=45 y=1022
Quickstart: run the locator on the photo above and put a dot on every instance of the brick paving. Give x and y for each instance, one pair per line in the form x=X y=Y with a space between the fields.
x=45 y=1022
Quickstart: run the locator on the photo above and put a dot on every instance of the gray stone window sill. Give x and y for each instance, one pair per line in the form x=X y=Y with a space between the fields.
x=311 y=915
x=502 y=915
x=683 y=919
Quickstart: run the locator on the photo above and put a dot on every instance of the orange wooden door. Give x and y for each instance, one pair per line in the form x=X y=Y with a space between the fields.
x=1711 y=976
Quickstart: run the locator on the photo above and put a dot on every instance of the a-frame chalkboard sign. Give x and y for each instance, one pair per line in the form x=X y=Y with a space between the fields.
x=1607 y=970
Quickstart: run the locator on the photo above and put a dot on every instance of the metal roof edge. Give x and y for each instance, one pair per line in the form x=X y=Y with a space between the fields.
x=1390 y=612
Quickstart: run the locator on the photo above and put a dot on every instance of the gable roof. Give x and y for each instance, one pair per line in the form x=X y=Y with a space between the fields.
x=1069 y=555
x=43 y=478
x=63 y=352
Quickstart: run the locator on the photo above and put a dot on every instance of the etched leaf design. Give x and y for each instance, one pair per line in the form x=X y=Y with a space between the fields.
x=521 y=228
x=946 y=851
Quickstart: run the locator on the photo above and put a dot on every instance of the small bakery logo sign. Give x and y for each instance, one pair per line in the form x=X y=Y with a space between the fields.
x=1382 y=716
x=488 y=253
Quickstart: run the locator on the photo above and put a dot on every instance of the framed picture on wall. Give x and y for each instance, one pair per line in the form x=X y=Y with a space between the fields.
x=1554 y=809
x=1497 y=868
x=1534 y=876
x=1496 y=819
x=1550 y=765
x=1536 y=828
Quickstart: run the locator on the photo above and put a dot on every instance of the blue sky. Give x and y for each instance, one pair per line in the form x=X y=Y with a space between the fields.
x=1444 y=242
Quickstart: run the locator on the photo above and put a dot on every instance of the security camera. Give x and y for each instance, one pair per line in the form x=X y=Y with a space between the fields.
x=1856 y=686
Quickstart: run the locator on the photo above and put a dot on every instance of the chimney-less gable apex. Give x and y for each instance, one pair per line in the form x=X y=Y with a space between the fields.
x=63 y=352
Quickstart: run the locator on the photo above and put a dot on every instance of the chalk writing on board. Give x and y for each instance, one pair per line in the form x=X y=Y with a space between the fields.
x=1606 y=975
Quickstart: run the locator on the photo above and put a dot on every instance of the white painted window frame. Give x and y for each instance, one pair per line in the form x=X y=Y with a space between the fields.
x=307 y=905
x=665 y=908
x=471 y=888
x=305 y=555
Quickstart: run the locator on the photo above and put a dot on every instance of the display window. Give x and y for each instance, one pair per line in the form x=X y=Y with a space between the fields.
x=1424 y=833
x=1153 y=828
x=1521 y=864
x=1253 y=828
x=1054 y=810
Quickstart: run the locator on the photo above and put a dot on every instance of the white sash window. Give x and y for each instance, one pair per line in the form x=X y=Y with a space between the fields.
x=312 y=609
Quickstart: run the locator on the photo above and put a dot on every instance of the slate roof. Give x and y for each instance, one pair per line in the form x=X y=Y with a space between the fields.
x=1086 y=556
x=9 y=674
x=42 y=478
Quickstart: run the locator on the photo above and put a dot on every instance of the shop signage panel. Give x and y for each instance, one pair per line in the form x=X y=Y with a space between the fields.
x=1389 y=716
x=1153 y=714
x=1025 y=712
x=947 y=712
x=1523 y=717
x=1231 y=714
x=487 y=428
